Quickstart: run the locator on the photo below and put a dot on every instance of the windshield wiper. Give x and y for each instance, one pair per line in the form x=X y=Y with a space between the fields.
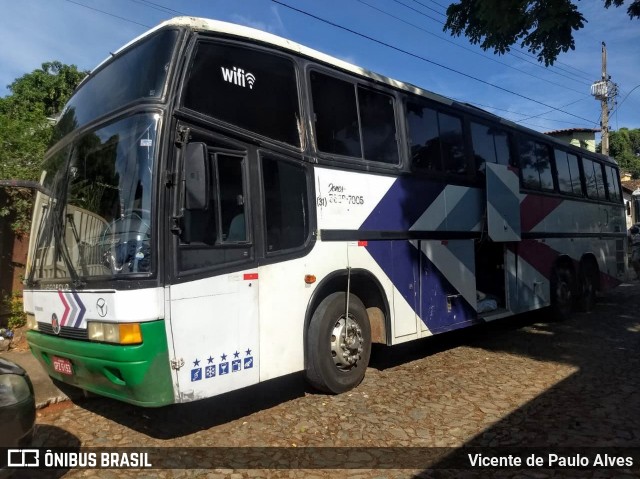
x=52 y=225
x=59 y=225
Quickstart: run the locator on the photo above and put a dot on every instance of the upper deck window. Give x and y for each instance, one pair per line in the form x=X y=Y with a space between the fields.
x=613 y=184
x=252 y=89
x=490 y=144
x=352 y=120
x=535 y=164
x=594 y=179
x=568 y=172
x=140 y=73
x=436 y=140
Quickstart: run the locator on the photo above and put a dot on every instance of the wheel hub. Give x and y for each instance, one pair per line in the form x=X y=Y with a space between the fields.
x=346 y=343
x=564 y=292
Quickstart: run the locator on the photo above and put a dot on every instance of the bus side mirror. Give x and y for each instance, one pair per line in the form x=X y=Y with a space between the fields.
x=195 y=177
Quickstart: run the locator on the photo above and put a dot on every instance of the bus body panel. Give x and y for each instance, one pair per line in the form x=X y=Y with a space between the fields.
x=284 y=301
x=215 y=334
x=345 y=199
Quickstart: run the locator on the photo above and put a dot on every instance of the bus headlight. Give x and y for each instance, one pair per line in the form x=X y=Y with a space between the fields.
x=117 y=333
x=31 y=322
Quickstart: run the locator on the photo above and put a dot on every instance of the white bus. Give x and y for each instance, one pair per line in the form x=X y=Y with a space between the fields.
x=256 y=208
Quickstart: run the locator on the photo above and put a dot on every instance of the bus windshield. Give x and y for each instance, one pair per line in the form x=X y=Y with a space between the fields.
x=96 y=218
x=139 y=74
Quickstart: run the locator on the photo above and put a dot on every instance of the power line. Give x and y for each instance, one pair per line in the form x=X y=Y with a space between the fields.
x=157 y=6
x=110 y=14
x=470 y=49
x=433 y=1
x=429 y=8
x=519 y=51
x=626 y=96
x=515 y=112
x=414 y=55
x=536 y=64
x=545 y=112
x=419 y=12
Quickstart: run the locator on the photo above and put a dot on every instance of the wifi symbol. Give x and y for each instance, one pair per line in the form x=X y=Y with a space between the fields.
x=250 y=79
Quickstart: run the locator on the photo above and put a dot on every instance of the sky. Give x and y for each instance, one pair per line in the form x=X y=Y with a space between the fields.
x=514 y=86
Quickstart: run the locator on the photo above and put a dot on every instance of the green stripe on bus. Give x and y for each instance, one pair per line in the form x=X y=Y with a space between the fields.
x=137 y=374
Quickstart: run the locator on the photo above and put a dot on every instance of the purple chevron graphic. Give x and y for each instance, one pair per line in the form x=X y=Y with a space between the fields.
x=74 y=309
x=83 y=309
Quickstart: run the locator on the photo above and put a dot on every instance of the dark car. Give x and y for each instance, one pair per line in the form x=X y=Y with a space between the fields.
x=17 y=406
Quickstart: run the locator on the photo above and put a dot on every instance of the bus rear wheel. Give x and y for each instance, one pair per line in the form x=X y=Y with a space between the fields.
x=561 y=293
x=338 y=346
x=588 y=286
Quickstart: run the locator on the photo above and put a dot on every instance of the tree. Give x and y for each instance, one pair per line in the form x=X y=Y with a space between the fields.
x=624 y=147
x=26 y=125
x=544 y=27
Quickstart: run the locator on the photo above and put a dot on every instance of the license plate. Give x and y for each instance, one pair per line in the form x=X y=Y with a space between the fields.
x=62 y=365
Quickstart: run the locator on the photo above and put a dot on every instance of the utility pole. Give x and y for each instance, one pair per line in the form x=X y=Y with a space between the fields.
x=605 y=91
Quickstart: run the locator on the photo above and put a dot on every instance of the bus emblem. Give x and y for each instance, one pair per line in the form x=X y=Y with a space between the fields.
x=101 y=304
x=55 y=324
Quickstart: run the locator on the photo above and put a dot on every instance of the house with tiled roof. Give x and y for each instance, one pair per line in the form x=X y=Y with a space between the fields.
x=582 y=137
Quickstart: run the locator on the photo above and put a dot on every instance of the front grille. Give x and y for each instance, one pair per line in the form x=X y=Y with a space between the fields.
x=65 y=331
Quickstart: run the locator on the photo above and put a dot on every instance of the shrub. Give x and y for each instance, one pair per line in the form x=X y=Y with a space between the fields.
x=17 y=317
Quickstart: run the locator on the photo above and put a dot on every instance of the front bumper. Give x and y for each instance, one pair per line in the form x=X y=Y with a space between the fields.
x=136 y=374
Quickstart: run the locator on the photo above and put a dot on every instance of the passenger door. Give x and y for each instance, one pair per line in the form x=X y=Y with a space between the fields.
x=213 y=299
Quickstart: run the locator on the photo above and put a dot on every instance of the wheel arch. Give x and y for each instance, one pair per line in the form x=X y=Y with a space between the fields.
x=366 y=287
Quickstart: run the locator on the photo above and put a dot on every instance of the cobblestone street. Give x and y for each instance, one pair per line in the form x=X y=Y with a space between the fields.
x=518 y=382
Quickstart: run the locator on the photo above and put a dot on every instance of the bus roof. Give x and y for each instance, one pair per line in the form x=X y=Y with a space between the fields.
x=240 y=31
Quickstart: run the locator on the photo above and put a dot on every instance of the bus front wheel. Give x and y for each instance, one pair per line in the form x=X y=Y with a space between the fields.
x=338 y=345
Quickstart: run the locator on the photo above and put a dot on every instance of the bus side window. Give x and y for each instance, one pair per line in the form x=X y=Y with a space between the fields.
x=535 y=164
x=218 y=234
x=352 y=120
x=378 y=126
x=568 y=173
x=613 y=186
x=436 y=140
x=424 y=138
x=490 y=145
x=452 y=143
x=594 y=179
x=230 y=185
x=286 y=204
x=336 y=115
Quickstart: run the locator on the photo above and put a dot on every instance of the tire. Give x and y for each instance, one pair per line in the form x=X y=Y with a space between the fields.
x=337 y=357
x=562 y=289
x=588 y=283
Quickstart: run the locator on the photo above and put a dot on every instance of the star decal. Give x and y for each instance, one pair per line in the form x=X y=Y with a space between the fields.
x=196 y=362
x=209 y=360
x=236 y=354
x=248 y=352
x=223 y=357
